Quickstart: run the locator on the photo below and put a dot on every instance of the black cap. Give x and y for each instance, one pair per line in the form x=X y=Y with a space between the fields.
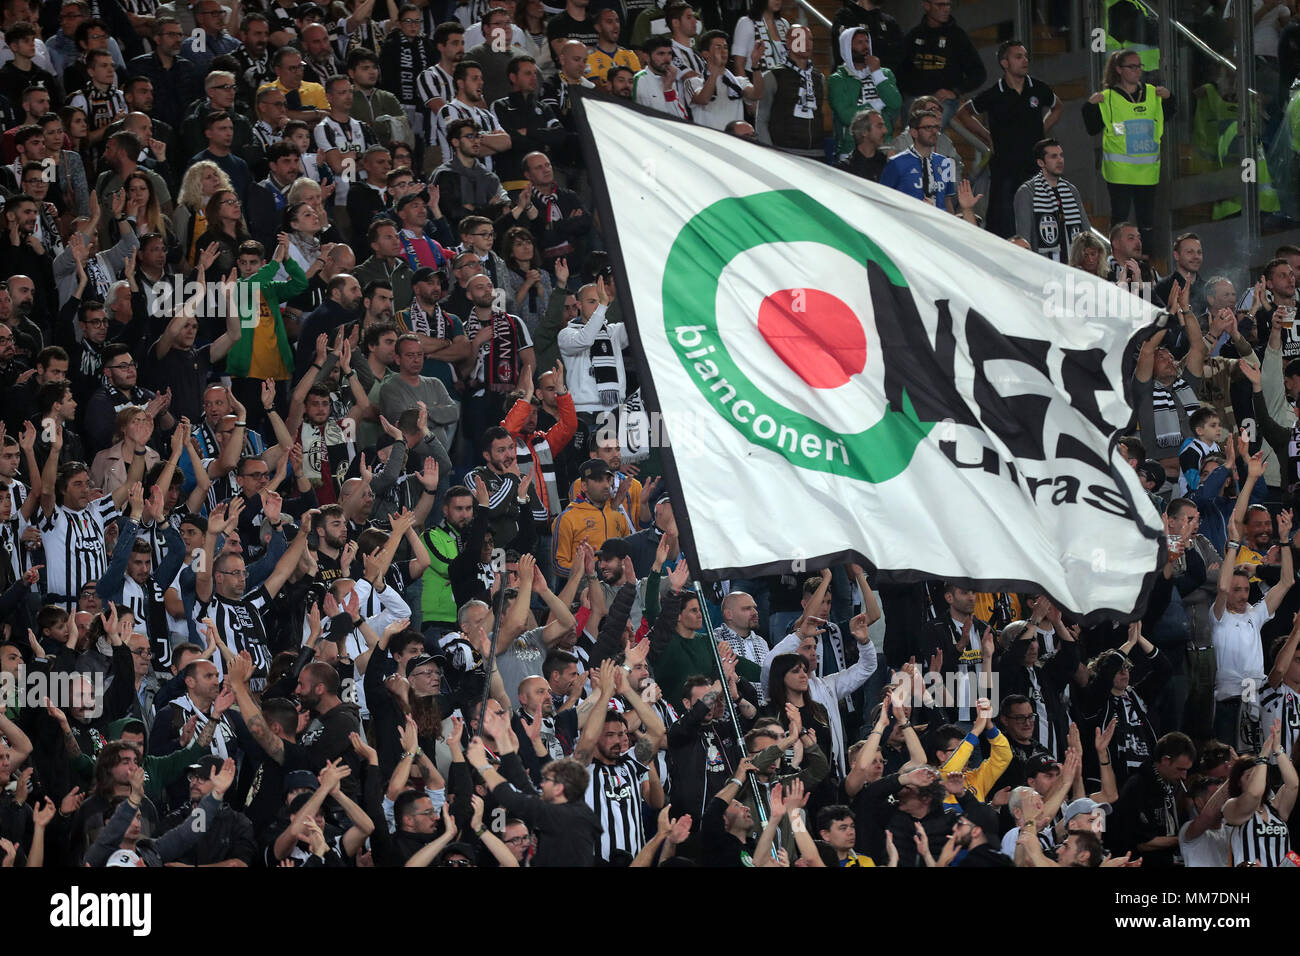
x=1040 y=763
x=594 y=468
x=422 y=194
x=422 y=659
x=207 y=765
x=425 y=274
x=303 y=10
x=615 y=548
x=197 y=521
x=300 y=780
x=1152 y=471
x=467 y=850
x=383 y=441
x=984 y=817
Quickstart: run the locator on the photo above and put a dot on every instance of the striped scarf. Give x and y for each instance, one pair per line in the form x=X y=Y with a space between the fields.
x=1057 y=217
x=220 y=740
x=1168 y=401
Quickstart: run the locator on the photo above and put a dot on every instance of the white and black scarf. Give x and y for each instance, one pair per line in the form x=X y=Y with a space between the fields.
x=805 y=104
x=224 y=734
x=604 y=364
x=432 y=324
x=1057 y=218
x=1169 y=403
x=776 y=52
x=931 y=185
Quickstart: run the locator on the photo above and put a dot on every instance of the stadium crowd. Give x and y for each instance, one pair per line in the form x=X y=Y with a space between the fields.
x=320 y=547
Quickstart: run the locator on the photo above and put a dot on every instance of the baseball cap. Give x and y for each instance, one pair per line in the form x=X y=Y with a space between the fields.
x=984 y=817
x=207 y=765
x=1153 y=471
x=615 y=548
x=304 y=10
x=1085 y=805
x=123 y=858
x=422 y=659
x=424 y=273
x=410 y=197
x=1040 y=763
x=300 y=780
x=594 y=468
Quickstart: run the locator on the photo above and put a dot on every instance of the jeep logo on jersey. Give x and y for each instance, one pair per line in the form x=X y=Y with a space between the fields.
x=792 y=368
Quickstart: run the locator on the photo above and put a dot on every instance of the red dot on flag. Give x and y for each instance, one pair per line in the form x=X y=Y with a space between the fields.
x=814 y=333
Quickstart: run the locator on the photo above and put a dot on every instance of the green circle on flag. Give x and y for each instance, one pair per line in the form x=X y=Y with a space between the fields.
x=693 y=269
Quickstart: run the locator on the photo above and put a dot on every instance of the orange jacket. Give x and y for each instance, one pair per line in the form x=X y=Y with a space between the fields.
x=554 y=439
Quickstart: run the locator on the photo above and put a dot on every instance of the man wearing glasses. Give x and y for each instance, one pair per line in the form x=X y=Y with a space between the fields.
x=304 y=101
x=211 y=19
x=465 y=186
x=924 y=174
x=405 y=57
x=119 y=391
x=220 y=88
x=175 y=79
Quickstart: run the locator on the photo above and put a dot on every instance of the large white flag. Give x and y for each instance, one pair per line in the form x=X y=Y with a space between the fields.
x=843 y=370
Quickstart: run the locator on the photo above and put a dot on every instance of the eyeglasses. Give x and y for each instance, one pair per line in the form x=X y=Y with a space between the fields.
x=1130 y=66
x=516 y=841
x=96 y=323
x=255 y=475
x=141 y=652
x=482 y=235
x=222 y=86
x=127 y=364
x=241 y=573
x=96 y=36
x=1021 y=718
x=409 y=20
x=459 y=862
x=230 y=202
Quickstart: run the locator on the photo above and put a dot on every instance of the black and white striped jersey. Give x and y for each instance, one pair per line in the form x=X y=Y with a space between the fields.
x=1282 y=703
x=483 y=118
x=240 y=625
x=614 y=794
x=351 y=140
x=74 y=548
x=1263 y=840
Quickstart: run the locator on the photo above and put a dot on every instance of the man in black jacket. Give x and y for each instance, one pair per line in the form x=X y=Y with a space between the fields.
x=939 y=59
x=886 y=34
x=566 y=828
x=531 y=124
x=227 y=839
x=897 y=803
x=1146 y=820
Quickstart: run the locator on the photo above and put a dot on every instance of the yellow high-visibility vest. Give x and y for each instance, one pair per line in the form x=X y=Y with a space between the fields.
x=1130 y=138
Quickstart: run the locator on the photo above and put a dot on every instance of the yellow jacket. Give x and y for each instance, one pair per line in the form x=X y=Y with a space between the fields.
x=583 y=521
x=980 y=780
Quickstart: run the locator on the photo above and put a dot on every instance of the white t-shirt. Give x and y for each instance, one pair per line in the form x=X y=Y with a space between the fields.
x=1238 y=650
x=1208 y=849
x=727 y=105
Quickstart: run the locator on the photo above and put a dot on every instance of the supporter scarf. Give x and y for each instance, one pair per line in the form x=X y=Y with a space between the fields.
x=553 y=213
x=422 y=323
x=805 y=104
x=930 y=185
x=100 y=104
x=500 y=372
x=412 y=257
x=776 y=52
x=1057 y=216
x=1169 y=403
x=224 y=734
x=100 y=280
x=728 y=79
x=604 y=365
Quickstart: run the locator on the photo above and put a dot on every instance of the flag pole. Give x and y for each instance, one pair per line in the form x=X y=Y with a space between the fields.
x=759 y=802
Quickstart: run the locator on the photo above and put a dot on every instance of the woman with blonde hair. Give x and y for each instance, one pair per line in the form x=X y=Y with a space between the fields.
x=201 y=182
x=1088 y=253
x=132 y=432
